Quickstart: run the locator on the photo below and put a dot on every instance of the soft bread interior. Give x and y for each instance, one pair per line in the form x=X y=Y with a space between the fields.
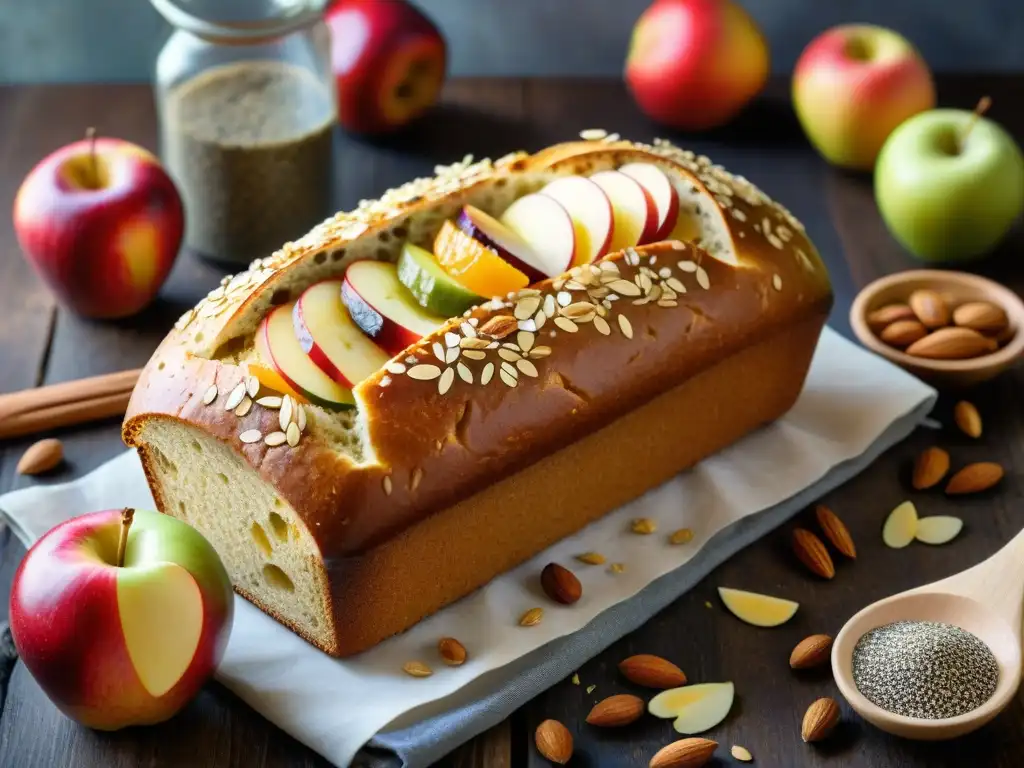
x=269 y=554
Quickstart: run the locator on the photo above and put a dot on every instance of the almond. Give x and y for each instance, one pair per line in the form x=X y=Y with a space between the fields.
x=810 y=652
x=981 y=316
x=931 y=466
x=930 y=308
x=835 y=531
x=554 y=741
x=967 y=418
x=453 y=653
x=810 y=550
x=652 y=671
x=903 y=333
x=880 y=318
x=975 y=478
x=616 y=711
x=499 y=327
x=819 y=720
x=531 y=618
x=560 y=584
x=685 y=753
x=417 y=669
x=952 y=344
x=41 y=457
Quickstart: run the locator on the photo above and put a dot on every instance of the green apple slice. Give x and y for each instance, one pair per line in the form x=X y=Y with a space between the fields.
x=433 y=288
x=161 y=612
x=278 y=346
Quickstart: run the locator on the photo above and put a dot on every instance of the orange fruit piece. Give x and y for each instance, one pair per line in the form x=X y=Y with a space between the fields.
x=271 y=379
x=475 y=265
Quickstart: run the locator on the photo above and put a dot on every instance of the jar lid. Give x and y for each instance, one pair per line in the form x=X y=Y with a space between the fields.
x=240 y=19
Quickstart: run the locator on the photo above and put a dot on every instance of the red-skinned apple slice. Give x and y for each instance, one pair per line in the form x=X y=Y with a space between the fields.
x=664 y=195
x=546 y=226
x=277 y=345
x=636 y=218
x=591 y=213
x=334 y=342
x=383 y=308
x=506 y=243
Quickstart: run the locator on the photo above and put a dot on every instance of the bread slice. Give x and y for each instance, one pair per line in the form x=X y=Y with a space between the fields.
x=497 y=435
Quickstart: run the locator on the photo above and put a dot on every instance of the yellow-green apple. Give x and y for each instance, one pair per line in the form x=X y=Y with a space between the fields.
x=121 y=618
x=949 y=184
x=694 y=64
x=852 y=85
x=101 y=222
x=389 y=62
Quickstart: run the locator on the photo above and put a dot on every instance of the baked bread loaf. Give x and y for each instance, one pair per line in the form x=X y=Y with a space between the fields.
x=498 y=433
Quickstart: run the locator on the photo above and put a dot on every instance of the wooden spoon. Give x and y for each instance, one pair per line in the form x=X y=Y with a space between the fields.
x=985 y=600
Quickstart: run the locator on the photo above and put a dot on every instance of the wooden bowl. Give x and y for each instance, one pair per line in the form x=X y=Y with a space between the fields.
x=957 y=287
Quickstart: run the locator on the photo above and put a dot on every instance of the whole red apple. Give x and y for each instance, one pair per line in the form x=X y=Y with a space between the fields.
x=120 y=616
x=694 y=64
x=852 y=86
x=101 y=222
x=389 y=61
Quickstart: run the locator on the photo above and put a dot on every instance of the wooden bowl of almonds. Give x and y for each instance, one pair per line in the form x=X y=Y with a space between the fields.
x=951 y=329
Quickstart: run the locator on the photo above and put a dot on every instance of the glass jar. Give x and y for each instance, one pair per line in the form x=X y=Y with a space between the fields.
x=247 y=108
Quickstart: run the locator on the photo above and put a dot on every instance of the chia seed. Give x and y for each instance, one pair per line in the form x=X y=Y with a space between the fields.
x=924 y=669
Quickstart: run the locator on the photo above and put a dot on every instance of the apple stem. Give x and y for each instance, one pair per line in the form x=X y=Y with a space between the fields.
x=126 y=522
x=983 y=104
x=90 y=134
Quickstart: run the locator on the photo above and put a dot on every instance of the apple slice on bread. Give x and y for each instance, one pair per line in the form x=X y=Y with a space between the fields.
x=278 y=346
x=545 y=225
x=661 y=191
x=591 y=213
x=383 y=308
x=434 y=289
x=636 y=218
x=509 y=245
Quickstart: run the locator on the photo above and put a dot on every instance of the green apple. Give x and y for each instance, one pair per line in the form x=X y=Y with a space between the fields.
x=949 y=184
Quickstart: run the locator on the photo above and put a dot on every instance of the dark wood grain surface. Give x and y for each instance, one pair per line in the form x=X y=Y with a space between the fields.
x=41 y=343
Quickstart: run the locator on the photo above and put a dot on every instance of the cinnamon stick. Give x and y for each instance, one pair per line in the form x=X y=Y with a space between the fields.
x=64 y=413
x=69 y=392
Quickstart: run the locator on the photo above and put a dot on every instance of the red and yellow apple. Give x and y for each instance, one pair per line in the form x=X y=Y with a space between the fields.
x=389 y=61
x=694 y=64
x=101 y=222
x=121 y=619
x=853 y=85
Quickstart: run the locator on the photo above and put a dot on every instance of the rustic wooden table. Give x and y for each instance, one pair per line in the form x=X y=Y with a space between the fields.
x=41 y=343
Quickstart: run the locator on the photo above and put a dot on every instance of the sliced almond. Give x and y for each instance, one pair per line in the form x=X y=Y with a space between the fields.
x=757 y=609
x=900 y=526
x=929 y=469
x=417 y=669
x=967 y=418
x=741 y=753
x=531 y=617
x=591 y=558
x=695 y=708
x=975 y=478
x=938 y=529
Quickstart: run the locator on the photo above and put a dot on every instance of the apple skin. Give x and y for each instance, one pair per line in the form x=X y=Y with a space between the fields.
x=389 y=62
x=103 y=252
x=853 y=85
x=694 y=64
x=67 y=626
x=945 y=205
